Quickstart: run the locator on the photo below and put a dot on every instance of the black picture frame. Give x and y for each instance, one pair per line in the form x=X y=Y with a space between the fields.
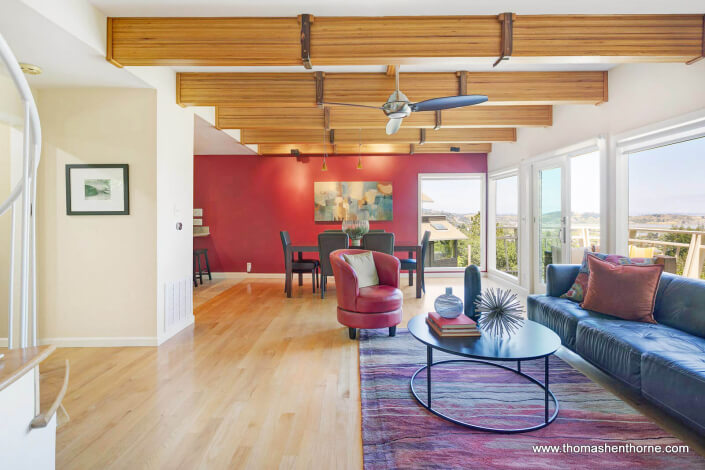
x=126 y=188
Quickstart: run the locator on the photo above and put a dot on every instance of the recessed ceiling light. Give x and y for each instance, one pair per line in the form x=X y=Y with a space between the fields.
x=30 y=69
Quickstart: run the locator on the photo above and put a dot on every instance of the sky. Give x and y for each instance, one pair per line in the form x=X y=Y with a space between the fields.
x=459 y=196
x=669 y=179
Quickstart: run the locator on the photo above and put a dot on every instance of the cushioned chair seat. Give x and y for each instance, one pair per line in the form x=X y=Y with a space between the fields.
x=676 y=380
x=616 y=345
x=407 y=262
x=378 y=299
x=560 y=315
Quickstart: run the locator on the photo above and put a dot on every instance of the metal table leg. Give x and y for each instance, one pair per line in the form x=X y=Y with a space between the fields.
x=429 y=363
x=545 y=383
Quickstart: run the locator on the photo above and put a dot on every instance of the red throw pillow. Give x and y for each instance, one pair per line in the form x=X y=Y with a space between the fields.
x=624 y=291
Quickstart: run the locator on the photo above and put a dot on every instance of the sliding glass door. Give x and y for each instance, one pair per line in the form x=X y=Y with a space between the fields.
x=567 y=214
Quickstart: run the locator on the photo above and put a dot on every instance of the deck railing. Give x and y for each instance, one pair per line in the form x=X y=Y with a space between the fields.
x=693 y=264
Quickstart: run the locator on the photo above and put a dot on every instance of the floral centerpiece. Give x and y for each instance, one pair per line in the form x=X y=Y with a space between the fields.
x=355 y=230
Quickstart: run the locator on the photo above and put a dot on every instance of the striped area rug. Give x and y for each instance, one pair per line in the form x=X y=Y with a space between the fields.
x=397 y=433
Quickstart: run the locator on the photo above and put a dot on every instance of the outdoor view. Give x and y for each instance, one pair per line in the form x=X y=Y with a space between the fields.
x=507 y=221
x=667 y=206
x=451 y=212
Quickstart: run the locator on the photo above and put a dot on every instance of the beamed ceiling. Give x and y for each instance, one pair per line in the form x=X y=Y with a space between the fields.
x=281 y=112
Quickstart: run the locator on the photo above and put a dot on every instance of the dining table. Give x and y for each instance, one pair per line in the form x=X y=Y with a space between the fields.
x=412 y=249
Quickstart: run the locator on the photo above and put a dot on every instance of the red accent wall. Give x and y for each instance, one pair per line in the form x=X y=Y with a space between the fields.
x=247 y=200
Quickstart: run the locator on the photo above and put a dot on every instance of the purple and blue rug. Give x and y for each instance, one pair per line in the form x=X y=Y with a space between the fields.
x=397 y=433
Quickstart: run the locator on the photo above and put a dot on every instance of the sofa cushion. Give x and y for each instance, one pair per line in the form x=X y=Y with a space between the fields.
x=627 y=292
x=577 y=291
x=680 y=303
x=376 y=299
x=676 y=380
x=560 y=315
x=616 y=345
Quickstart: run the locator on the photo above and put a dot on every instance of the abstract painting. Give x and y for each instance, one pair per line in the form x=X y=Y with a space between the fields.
x=364 y=200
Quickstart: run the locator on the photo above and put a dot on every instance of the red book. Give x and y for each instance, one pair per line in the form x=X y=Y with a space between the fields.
x=452 y=331
x=462 y=321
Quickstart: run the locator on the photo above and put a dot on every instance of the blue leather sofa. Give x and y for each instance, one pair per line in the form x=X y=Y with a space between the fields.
x=665 y=362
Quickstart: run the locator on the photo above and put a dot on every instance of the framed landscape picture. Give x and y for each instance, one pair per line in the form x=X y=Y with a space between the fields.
x=97 y=189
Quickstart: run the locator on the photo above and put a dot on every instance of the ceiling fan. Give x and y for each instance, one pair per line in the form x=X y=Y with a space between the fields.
x=398 y=105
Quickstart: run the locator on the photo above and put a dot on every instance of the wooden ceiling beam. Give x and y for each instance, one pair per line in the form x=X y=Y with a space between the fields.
x=360 y=118
x=399 y=40
x=378 y=136
x=371 y=149
x=299 y=89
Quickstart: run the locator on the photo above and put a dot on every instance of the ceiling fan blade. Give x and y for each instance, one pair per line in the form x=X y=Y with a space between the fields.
x=393 y=125
x=352 y=104
x=448 y=102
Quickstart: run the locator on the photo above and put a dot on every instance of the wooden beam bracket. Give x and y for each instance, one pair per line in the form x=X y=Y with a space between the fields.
x=326 y=118
x=331 y=136
x=320 y=79
x=422 y=136
x=412 y=148
x=506 y=40
x=306 y=21
x=462 y=82
x=702 y=48
x=437 y=125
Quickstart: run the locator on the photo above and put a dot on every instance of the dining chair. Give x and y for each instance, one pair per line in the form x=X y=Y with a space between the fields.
x=328 y=242
x=411 y=265
x=301 y=265
x=379 y=241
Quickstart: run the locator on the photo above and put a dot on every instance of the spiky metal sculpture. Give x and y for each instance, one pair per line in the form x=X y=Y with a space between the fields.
x=500 y=312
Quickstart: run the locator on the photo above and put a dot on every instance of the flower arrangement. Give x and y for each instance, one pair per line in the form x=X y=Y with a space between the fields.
x=355 y=229
x=500 y=312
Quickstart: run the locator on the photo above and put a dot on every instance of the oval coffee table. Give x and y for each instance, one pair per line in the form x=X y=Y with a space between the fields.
x=532 y=341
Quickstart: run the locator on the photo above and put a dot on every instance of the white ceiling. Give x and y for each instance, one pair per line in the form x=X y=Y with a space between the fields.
x=65 y=60
x=387 y=7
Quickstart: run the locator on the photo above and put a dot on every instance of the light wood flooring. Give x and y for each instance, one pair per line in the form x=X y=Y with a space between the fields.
x=260 y=381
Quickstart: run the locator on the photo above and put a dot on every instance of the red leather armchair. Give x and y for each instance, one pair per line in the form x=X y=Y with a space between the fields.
x=368 y=307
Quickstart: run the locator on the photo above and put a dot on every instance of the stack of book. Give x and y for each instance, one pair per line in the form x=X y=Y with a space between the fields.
x=460 y=326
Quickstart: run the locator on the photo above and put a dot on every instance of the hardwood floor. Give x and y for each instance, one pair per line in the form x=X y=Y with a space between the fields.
x=260 y=381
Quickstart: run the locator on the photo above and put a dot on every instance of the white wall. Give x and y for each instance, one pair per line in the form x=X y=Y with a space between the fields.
x=96 y=274
x=639 y=95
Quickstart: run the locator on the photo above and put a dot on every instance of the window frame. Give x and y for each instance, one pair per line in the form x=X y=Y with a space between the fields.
x=482 y=177
x=683 y=128
x=493 y=177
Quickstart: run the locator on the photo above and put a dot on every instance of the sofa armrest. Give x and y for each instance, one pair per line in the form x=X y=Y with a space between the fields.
x=560 y=277
x=388 y=268
x=473 y=288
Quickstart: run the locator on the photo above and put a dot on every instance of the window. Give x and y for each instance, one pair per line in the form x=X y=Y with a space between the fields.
x=451 y=207
x=666 y=205
x=505 y=209
x=584 y=204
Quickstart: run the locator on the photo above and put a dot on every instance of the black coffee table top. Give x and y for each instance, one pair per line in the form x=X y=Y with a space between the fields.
x=532 y=341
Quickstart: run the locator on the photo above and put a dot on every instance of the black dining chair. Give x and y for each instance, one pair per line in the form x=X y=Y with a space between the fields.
x=301 y=265
x=379 y=241
x=411 y=265
x=328 y=242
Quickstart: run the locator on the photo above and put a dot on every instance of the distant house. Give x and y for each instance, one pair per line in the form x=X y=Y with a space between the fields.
x=443 y=245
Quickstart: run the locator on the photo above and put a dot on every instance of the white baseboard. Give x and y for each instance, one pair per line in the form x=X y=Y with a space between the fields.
x=100 y=342
x=175 y=329
x=240 y=275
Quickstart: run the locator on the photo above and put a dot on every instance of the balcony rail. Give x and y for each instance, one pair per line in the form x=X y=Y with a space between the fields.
x=693 y=264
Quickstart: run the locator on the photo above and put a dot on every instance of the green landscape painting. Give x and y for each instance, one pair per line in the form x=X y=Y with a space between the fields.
x=96 y=189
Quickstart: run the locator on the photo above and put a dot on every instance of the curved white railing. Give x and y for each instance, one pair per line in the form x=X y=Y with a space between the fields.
x=23 y=195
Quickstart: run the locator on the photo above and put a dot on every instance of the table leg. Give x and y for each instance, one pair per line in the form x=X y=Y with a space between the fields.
x=419 y=266
x=519 y=366
x=301 y=275
x=545 y=381
x=429 y=362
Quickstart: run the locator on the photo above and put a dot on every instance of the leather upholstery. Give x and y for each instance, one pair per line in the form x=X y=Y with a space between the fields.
x=665 y=361
x=379 y=241
x=680 y=303
x=473 y=288
x=367 y=307
x=560 y=315
x=676 y=381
